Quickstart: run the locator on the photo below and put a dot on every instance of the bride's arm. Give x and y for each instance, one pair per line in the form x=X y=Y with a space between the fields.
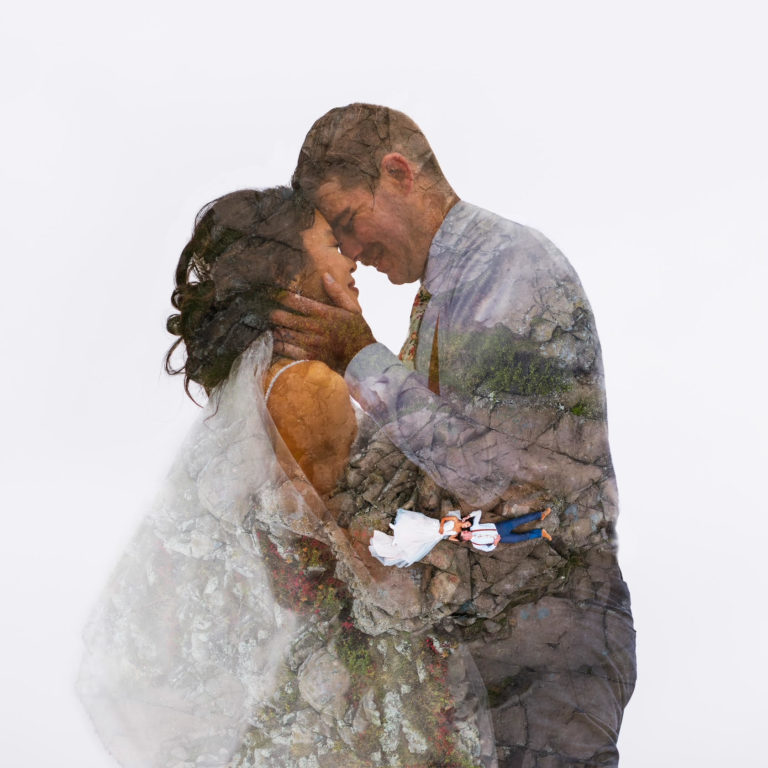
x=310 y=406
x=453 y=518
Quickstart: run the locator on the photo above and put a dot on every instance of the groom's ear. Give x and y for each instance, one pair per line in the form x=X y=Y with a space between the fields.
x=397 y=171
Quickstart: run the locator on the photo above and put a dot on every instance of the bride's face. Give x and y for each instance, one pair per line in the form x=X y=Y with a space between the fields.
x=322 y=248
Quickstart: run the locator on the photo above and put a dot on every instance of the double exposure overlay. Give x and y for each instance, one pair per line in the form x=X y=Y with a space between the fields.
x=364 y=556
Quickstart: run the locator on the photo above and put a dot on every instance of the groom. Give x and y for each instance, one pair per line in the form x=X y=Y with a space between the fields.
x=498 y=396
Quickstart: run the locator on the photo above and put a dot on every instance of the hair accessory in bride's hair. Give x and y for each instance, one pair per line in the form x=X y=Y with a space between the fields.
x=200 y=266
x=173 y=325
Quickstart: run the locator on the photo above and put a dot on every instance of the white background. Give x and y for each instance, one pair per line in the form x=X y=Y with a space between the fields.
x=631 y=134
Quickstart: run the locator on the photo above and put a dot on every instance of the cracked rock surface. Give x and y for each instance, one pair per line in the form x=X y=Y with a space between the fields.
x=345 y=697
x=548 y=625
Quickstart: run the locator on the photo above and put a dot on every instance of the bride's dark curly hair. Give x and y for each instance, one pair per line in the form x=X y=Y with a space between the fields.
x=245 y=248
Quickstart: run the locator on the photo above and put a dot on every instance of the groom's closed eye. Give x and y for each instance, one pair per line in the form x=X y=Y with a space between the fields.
x=343 y=224
x=347 y=226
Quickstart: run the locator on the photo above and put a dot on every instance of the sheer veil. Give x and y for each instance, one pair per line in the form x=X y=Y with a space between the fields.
x=186 y=637
x=187 y=640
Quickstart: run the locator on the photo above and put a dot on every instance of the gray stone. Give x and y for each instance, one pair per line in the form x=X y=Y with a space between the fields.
x=517 y=580
x=417 y=743
x=443 y=586
x=323 y=683
x=488 y=605
x=390 y=736
x=442 y=556
x=368 y=705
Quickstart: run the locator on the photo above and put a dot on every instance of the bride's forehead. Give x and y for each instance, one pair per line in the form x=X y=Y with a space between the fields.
x=318 y=234
x=320 y=221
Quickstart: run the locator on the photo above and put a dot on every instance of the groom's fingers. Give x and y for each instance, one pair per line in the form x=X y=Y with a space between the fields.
x=339 y=296
x=302 y=314
x=289 y=350
x=302 y=305
x=284 y=319
x=299 y=338
x=305 y=345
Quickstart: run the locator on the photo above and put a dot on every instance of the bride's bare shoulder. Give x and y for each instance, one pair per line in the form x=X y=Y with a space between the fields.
x=310 y=406
x=302 y=380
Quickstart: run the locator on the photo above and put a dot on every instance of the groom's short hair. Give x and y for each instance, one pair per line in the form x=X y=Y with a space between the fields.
x=348 y=143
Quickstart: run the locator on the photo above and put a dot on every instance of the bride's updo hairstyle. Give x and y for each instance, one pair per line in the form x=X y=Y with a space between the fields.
x=245 y=248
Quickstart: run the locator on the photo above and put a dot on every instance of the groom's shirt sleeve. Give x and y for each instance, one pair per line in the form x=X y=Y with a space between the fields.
x=459 y=453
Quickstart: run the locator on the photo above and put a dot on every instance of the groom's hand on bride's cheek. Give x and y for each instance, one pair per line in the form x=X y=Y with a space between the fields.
x=308 y=329
x=339 y=296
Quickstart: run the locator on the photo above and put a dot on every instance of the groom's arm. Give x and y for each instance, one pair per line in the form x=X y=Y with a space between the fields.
x=475 y=517
x=461 y=454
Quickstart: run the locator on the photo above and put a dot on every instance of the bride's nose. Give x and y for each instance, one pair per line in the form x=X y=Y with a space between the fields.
x=349 y=261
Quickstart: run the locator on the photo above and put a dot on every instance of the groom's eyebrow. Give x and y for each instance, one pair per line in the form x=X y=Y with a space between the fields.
x=339 y=217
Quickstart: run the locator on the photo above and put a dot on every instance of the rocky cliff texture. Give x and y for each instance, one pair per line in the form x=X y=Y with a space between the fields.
x=366 y=685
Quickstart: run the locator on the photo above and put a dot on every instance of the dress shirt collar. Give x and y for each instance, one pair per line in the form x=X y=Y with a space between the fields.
x=448 y=244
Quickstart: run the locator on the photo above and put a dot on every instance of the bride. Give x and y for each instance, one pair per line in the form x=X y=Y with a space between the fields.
x=241 y=627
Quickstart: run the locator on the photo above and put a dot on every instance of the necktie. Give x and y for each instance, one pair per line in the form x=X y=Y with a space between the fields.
x=408 y=352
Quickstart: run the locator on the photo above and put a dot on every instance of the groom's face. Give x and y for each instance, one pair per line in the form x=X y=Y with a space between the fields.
x=374 y=228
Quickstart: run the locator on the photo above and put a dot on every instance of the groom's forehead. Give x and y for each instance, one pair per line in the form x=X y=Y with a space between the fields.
x=337 y=201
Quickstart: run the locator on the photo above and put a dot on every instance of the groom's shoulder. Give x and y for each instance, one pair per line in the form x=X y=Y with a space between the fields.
x=480 y=229
x=491 y=241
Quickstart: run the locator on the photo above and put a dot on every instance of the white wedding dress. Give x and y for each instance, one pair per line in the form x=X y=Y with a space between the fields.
x=414 y=536
x=188 y=643
x=187 y=637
